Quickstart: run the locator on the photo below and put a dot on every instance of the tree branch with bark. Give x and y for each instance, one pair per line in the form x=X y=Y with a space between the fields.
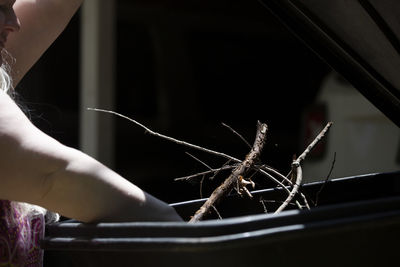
x=240 y=169
x=236 y=177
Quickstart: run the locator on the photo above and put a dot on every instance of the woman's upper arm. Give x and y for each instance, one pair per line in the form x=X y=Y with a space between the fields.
x=41 y=23
x=27 y=155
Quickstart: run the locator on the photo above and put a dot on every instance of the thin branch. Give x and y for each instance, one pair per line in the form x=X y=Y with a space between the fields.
x=216 y=211
x=296 y=168
x=201 y=186
x=285 y=187
x=179 y=142
x=285 y=179
x=254 y=173
x=229 y=167
x=326 y=179
x=313 y=143
x=274 y=179
x=222 y=168
x=240 y=170
x=261 y=200
x=275 y=201
x=296 y=186
x=277 y=173
x=239 y=135
x=198 y=160
x=305 y=200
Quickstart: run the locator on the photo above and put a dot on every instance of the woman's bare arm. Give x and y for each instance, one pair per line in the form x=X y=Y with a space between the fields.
x=37 y=169
x=42 y=21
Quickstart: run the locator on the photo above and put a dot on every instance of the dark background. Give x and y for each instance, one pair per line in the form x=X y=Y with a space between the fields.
x=217 y=61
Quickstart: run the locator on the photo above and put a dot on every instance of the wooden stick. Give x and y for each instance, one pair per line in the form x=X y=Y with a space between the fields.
x=296 y=168
x=179 y=142
x=238 y=134
x=313 y=143
x=239 y=168
x=232 y=180
x=198 y=160
x=296 y=186
x=229 y=167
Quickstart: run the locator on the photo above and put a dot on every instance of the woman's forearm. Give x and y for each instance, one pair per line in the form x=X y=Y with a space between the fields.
x=88 y=191
x=37 y=169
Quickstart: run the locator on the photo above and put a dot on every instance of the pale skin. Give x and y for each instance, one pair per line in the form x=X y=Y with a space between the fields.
x=34 y=167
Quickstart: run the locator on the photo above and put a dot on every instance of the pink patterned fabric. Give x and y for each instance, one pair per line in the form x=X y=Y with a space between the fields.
x=20 y=235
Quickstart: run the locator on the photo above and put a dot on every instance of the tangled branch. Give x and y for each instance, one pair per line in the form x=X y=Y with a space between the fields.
x=240 y=169
x=236 y=177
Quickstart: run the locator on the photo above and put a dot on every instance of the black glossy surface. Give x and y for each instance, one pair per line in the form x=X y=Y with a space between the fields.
x=357 y=222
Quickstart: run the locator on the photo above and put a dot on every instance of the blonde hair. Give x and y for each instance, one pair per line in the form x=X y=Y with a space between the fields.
x=6 y=84
x=30 y=211
x=5 y=80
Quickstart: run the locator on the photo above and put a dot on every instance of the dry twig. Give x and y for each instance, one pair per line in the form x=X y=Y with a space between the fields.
x=326 y=180
x=226 y=164
x=296 y=167
x=198 y=160
x=240 y=168
x=238 y=134
x=232 y=180
x=296 y=186
x=263 y=171
x=228 y=167
x=179 y=142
